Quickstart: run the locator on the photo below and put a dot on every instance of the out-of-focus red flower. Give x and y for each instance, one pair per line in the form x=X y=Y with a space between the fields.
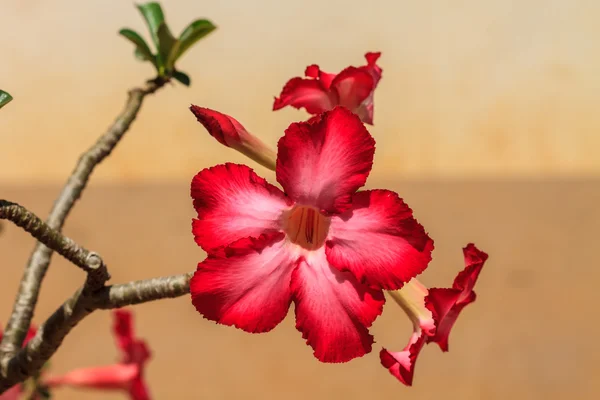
x=320 y=91
x=319 y=243
x=433 y=312
x=14 y=393
x=126 y=375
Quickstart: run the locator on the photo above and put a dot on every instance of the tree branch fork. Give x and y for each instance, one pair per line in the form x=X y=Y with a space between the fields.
x=93 y=295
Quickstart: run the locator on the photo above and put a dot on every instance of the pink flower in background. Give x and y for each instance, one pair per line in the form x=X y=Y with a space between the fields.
x=15 y=392
x=433 y=312
x=320 y=91
x=319 y=243
x=127 y=375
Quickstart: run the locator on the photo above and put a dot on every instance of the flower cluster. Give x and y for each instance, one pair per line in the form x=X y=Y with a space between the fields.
x=320 y=241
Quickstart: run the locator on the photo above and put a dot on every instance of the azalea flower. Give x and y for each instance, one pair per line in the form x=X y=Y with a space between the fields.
x=433 y=312
x=15 y=392
x=127 y=375
x=319 y=243
x=320 y=91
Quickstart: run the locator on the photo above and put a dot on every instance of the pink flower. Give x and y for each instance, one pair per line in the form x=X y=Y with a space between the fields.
x=352 y=88
x=126 y=375
x=433 y=312
x=15 y=392
x=319 y=243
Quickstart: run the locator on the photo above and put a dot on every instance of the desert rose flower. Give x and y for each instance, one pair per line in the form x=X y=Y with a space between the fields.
x=433 y=312
x=319 y=243
x=127 y=375
x=320 y=91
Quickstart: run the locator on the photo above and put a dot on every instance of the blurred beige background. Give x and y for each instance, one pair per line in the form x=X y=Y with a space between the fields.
x=486 y=123
x=470 y=88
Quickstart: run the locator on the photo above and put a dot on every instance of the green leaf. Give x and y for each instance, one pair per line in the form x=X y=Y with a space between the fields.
x=181 y=77
x=190 y=35
x=166 y=42
x=142 y=51
x=5 y=98
x=154 y=17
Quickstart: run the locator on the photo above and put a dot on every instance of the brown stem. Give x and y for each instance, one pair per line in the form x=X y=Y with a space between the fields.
x=89 y=261
x=51 y=333
x=38 y=263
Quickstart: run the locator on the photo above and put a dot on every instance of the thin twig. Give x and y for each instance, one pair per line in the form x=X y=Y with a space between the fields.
x=37 y=266
x=51 y=333
x=87 y=260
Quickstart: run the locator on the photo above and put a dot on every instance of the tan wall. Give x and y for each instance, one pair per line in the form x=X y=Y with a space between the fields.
x=470 y=87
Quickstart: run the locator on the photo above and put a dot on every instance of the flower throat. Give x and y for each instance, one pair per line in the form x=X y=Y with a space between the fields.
x=307 y=227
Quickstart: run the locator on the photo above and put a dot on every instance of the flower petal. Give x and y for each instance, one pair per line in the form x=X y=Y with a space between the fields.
x=313 y=71
x=116 y=376
x=123 y=328
x=352 y=85
x=372 y=67
x=225 y=129
x=233 y=203
x=333 y=310
x=466 y=279
x=14 y=393
x=247 y=284
x=446 y=304
x=229 y=132
x=378 y=240
x=445 y=310
x=139 y=390
x=308 y=93
x=402 y=364
x=365 y=109
x=323 y=161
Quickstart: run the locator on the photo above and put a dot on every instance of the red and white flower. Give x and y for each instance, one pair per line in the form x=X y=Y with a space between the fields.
x=433 y=312
x=319 y=243
x=320 y=91
x=127 y=375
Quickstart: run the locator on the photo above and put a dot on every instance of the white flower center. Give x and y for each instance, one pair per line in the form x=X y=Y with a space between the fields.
x=306 y=227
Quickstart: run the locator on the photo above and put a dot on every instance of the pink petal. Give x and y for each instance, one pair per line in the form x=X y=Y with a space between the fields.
x=333 y=310
x=366 y=108
x=323 y=161
x=402 y=364
x=308 y=93
x=116 y=376
x=246 y=285
x=446 y=304
x=352 y=85
x=379 y=241
x=372 y=67
x=14 y=393
x=229 y=132
x=139 y=390
x=224 y=128
x=466 y=279
x=233 y=203
x=123 y=328
x=444 y=309
x=313 y=71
